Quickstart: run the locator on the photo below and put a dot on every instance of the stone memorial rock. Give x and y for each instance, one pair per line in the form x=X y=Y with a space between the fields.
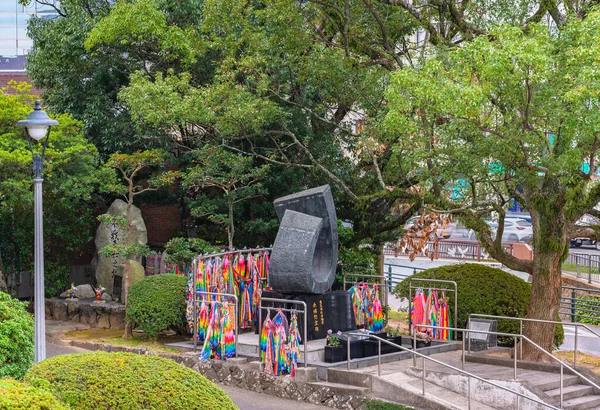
x=136 y=272
x=85 y=292
x=108 y=268
x=304 y=255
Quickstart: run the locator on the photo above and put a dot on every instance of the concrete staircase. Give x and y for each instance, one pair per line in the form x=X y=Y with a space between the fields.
x=447 y=389
x=399 y=388
x=576 y=395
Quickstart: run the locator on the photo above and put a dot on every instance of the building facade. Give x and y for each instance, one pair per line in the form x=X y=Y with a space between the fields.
x=14 y=43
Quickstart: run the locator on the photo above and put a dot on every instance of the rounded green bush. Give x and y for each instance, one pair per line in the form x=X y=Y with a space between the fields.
x=16 y=395
x=158 y=302
x=126 y=381
x=483 y=290
x=16 y=338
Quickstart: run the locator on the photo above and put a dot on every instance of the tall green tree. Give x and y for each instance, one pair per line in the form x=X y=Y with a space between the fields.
x=155 y=37
x=133 y=169
x=233 y=175
x=289 y=83
x=72 y=177
x=512 y=115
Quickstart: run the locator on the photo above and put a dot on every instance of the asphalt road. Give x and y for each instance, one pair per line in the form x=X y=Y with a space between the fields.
x=586 y=341
x=244 y=399
x=585 y=250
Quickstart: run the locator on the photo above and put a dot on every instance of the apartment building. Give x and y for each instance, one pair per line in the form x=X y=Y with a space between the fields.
x=14 y=43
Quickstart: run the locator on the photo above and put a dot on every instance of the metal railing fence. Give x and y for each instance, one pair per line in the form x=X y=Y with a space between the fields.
x=579 y=306
x=449 y=250
x=523 y=338
x=460 y=371
x=521 y=320
x=586 y=266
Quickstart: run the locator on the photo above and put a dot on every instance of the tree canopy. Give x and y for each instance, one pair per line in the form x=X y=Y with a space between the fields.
x=512 y=114
x=72 y=177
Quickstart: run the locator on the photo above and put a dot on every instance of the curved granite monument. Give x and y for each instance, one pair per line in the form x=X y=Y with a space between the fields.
x=304 y=255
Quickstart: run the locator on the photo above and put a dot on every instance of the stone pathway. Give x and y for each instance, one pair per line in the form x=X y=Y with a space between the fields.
x=248 y=400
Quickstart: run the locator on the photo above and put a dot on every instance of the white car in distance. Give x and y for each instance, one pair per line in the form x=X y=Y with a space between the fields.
x=515 y=230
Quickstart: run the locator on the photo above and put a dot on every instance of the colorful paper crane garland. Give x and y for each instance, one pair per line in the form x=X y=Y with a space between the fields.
x=219 y=342
x=430 y=311
x=280 y=344
x=243 y=276
x=368 y=311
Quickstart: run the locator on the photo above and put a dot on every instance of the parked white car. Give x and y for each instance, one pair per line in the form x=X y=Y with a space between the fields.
x=515 y=230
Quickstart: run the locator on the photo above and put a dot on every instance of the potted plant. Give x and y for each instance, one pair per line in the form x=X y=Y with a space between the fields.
x=334 y=351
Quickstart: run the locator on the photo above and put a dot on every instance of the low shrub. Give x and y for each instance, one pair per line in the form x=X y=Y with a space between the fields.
x=158 y=302
x=383 y=405
x=16 y=395
x=126 y=381
x=483 y=290
x=16 y=338
x=588 y=308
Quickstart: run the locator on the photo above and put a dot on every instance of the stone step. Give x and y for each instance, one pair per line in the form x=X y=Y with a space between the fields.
x=552 y=381
x=343 y=389
x=352 y=378
x=407 y=390
x=582 y=403
x=571 y=392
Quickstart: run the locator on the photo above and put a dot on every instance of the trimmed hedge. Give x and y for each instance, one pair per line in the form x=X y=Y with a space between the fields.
x=126 y=381
x=15 y=395
x=158 y=302
x=484 y=290
x=16 y=338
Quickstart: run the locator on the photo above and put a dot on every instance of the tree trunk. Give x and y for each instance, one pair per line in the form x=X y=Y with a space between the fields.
x=550 y=244
x=128 y=334
x=3 y=285
x=380 y=266
x=230 y=227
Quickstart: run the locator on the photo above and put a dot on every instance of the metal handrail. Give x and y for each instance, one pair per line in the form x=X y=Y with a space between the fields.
x=287 y=301
x=523 y=337
x=521 y=320
x=195 y=306
x=235 y=251
x=415 y=353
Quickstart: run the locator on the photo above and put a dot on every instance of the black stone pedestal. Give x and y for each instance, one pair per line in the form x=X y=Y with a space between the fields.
x=329 y=311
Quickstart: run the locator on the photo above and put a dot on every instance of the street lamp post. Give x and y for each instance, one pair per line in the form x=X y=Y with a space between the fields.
x=37 y=126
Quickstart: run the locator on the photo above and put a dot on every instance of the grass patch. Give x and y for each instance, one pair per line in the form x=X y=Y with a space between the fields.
x=583 y=360
x=384 y=405
x=397 y=315
x=115 y=337
x=397 y=323
x=572 y=267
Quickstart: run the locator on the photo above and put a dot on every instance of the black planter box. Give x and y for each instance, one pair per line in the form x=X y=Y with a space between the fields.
x=357 y=349
x=334 y=354
x=371 y=346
